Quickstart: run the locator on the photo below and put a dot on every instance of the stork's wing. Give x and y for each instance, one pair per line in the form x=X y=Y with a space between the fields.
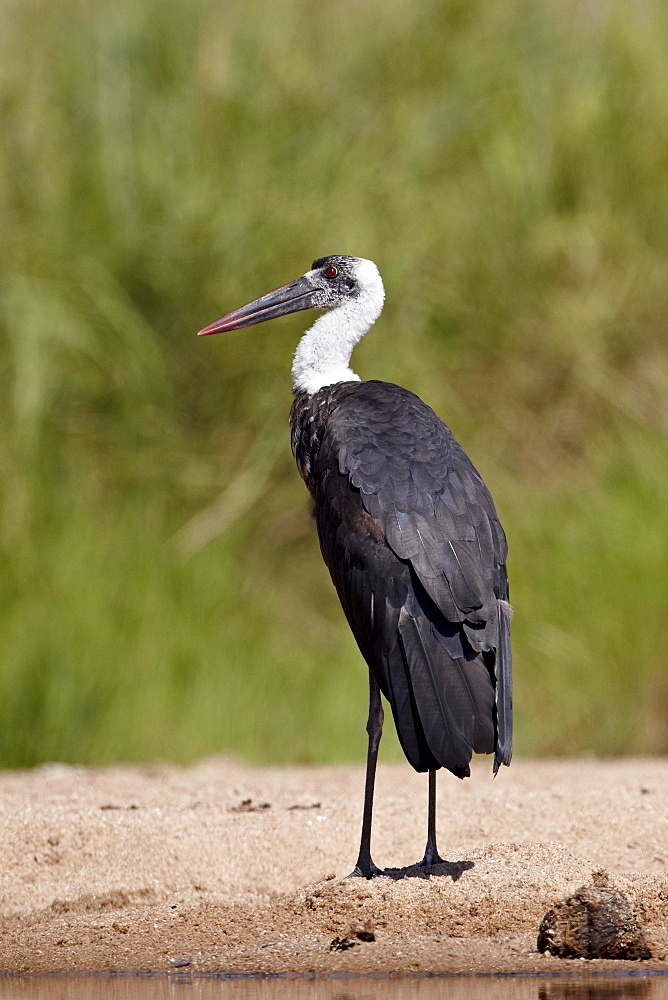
x=417 y=553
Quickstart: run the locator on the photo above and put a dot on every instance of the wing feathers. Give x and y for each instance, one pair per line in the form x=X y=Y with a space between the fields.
x=504 y=690
x=416 y=552
x=454 y=696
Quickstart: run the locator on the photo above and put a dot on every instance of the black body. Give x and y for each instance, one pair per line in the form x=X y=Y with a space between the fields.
x=413 y=543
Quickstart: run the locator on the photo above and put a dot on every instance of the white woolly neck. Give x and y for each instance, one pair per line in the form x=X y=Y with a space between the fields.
x=323 y=354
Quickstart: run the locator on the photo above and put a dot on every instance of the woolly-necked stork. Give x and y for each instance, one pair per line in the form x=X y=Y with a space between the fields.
x=410 y=536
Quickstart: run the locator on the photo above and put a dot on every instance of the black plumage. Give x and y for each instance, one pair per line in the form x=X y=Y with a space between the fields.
x=413 y=543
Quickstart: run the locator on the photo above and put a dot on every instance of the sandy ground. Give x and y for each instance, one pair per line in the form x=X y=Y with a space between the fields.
x=222 y=867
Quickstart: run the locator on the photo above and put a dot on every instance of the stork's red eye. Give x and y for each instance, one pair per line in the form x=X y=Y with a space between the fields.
x=331 y=272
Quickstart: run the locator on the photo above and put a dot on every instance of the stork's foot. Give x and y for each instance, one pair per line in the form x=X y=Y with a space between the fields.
x=365 y=869
x=426 y=866
x=431 y=859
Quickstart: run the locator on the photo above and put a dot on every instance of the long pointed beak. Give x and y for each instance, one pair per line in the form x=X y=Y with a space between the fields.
x=287 y=299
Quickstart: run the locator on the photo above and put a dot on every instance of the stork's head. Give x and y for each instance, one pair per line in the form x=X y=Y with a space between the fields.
x=332 y=282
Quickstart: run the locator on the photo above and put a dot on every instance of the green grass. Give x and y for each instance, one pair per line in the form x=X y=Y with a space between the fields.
x=504 y=163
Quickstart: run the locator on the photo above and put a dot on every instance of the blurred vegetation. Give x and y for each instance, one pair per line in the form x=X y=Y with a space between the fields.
x=505 y=163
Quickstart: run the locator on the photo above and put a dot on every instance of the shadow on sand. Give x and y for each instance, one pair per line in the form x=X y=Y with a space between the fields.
x=446 y=869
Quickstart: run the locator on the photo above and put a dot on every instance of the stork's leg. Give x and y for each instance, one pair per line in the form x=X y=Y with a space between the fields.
x=431 y=855
x=374 y=727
